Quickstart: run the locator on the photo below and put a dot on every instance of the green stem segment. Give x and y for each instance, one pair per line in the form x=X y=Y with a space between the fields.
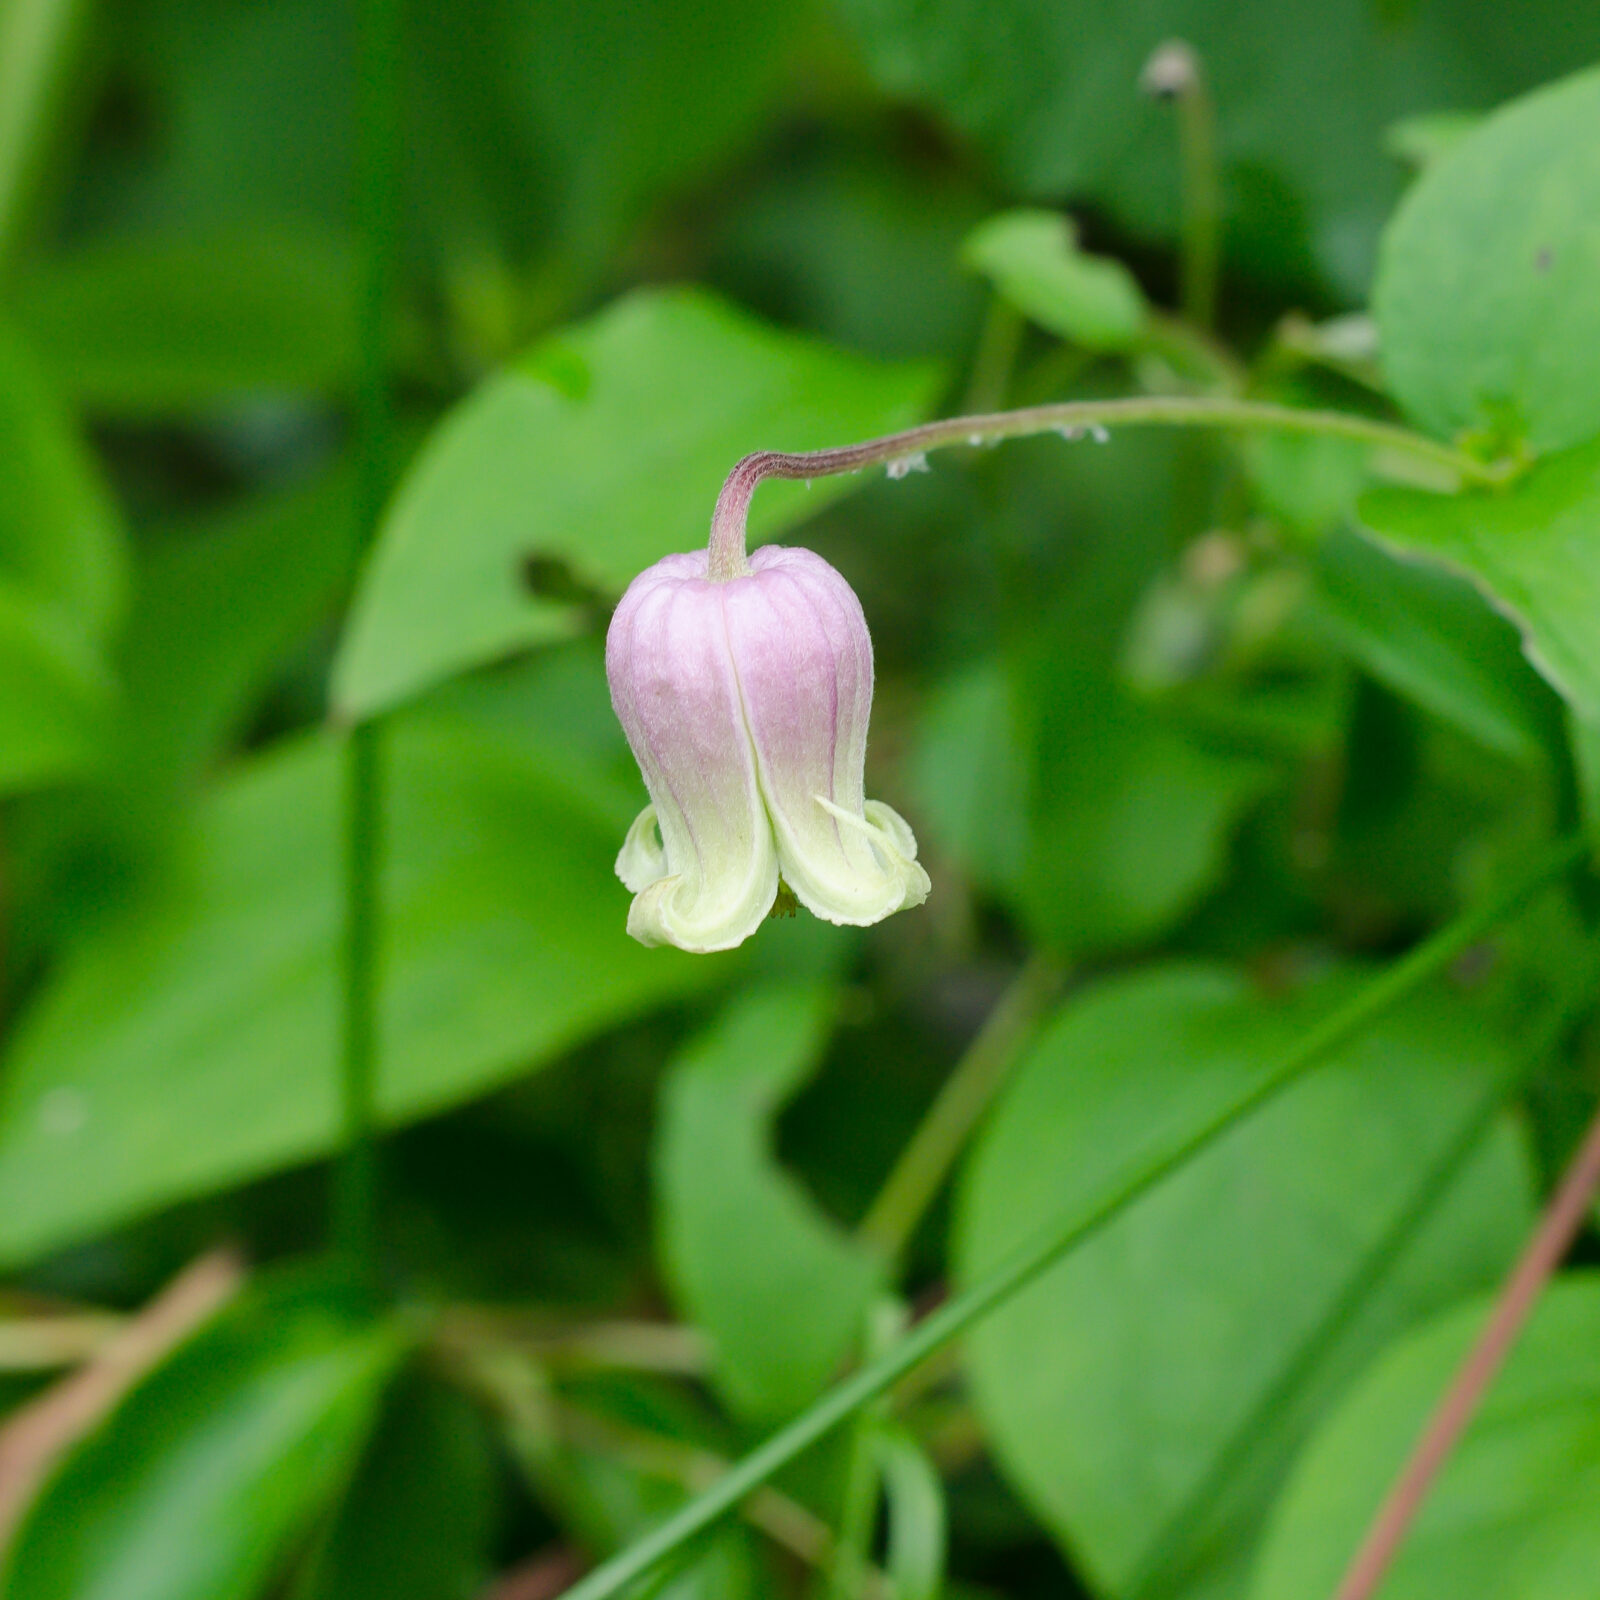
x=1202 y=190
x=933 y=1149
x=956 y=1316
x=378 y=197
x=902 y=452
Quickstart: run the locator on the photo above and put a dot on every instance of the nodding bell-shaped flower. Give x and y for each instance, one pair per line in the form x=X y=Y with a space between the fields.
x=746 y=703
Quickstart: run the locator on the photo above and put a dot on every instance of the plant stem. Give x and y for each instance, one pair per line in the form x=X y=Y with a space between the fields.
x=863 y=1477
x=1549 y=1243
x=1202 y=200
x=996 y=355
x=1022 y=1268
x=378 y=195
x=926 y=1161
x=1073 y=418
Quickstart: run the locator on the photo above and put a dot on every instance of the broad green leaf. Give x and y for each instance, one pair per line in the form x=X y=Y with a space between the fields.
x=197 y=1484
x=968 y=776
x=1421 y=140
x=61 y=584
x=781 y=1292
x=1112 y=1389
x=191 y=1042
x=1048 y=90
x=221 y=600
x=598 y=452
x=915 y=1555
x=1033 y=260
x=55 y=697
x=416 y=1521
x=169 y=322
x=1129 y=817
x=59 y=533
x=1430 y=637
x=1098 y=822
x=1534 y=549
x=1515 y=1512
x=1485 y=293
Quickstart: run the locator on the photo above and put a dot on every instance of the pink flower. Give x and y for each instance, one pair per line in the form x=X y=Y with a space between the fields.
x=746 y=704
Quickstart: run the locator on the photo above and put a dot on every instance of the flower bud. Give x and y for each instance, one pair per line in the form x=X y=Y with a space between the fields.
x=746 y=704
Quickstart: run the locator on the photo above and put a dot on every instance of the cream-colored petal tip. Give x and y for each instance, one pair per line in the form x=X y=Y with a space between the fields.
x=896 y=836
x=904 y=884
x=641 y=860
x=656 y=918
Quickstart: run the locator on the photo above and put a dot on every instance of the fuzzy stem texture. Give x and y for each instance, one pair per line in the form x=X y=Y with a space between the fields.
x=904 y=451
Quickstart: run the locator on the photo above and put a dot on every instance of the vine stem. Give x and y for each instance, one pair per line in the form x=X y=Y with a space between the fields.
x=378 y=195
x=1550 y=1241
x=1074 y=418
x=953 y=1318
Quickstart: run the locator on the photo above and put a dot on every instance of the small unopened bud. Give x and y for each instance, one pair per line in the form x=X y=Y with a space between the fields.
x=1172 y=70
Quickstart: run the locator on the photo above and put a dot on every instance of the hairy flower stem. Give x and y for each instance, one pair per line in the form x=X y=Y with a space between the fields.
x=1074 y=418
x=1550 y=1241
x=953 y=1318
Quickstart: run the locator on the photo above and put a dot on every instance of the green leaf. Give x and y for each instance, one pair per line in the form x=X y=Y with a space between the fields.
x=1485 y=291
x=1097 y=821
x=1534 y=549
x=1048 y=91
x=191 y=1042
x=221 y=601
x=199 y=1481
x=1515 y=1513
x=781 y=1292
x=1129 y=817
x=166 y=323
x=61 y=584
x=915 y=1556
x=969 y=776
x=59 y=532
x=1421 y=140
x=597 y=453
x=55 y=697
x=417 y=1520
x=1033 y=260
x=1430 y=637
x=1112 y=1389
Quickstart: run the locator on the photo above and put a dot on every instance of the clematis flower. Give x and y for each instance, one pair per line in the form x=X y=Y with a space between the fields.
x=746 y=703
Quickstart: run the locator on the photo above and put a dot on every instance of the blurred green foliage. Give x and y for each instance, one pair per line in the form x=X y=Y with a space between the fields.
x=1215 y=725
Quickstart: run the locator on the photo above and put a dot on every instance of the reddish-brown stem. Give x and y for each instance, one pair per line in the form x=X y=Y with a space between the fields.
x=1074 y=419
x=1549 y=1243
